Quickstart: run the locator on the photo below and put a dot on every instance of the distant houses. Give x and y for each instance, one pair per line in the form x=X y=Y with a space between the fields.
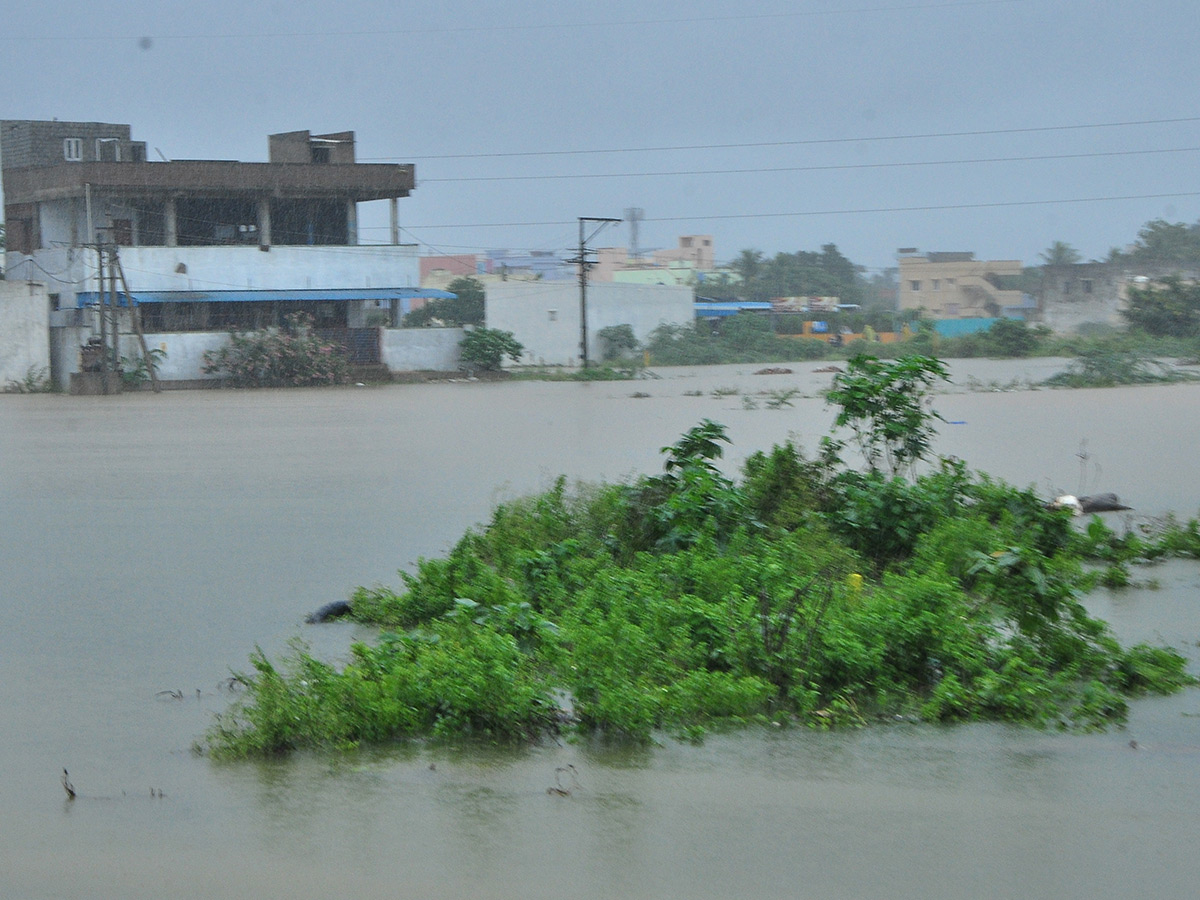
x=965 y=294
x=958 y=286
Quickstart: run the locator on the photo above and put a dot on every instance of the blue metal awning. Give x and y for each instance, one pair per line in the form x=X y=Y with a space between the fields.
x=339 y=295
x=719 y=308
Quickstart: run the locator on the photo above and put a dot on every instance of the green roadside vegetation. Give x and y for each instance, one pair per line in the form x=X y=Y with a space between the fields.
x=805 y=591
x=1102 y=358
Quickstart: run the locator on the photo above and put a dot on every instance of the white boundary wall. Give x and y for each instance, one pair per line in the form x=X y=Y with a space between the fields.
x=421 y=349
x=24 y=330
x=403 y=349
x=545 y=316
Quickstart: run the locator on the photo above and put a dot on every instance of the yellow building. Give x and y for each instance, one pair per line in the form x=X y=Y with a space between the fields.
x=958 y=286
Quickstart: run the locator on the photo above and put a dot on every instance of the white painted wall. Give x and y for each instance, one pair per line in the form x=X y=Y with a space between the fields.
x=68 y=270
x=24 y=330
x=421 y=349
x=1066 y=318
x=185 y=352
x=280 y=268
x=545 y=316
x=403 y=350
x=63 y=270
x=61 y=222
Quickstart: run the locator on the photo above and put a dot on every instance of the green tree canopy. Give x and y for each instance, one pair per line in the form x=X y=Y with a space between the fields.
x=748 y=265
x=1060 y=253
x=800 y=274
x=486 y=348
x=1169 y=308
x=1164 y=243
x=467 y=308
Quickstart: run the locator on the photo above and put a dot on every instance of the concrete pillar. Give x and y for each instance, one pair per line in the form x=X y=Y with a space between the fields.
x=351 y=222
x=170 y=223
x=264 y=222
x=395 y=211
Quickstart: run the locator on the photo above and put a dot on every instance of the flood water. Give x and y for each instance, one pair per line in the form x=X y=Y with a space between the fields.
x=149 y=543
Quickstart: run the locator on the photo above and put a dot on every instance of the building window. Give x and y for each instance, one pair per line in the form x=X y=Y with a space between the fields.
x=108 y=150
x=914 y=286
x=553 y=314
x=73 y=149
x=951 y=309
x=1087 y=285
x=937 y=284
x=320 y=154
x=1067 y=287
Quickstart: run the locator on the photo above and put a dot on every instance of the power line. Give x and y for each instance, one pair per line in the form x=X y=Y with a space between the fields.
x=523 y=26
x=841 y=212
x=930 y=208
x=798 y=143
x=826 y=168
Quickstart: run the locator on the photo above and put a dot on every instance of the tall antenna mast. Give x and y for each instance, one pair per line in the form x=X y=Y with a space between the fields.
x=633 y=215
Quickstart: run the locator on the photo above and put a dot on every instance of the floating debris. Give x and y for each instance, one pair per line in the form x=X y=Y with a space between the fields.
x=558 y=790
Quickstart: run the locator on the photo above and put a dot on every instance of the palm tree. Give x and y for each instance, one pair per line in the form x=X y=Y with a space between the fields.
x=748 y=265
x=1060 y=253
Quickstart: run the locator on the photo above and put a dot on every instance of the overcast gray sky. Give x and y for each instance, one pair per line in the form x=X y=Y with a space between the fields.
x=779 y=126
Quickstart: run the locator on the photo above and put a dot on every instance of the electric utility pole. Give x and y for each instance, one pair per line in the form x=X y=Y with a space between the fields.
x=584 y=265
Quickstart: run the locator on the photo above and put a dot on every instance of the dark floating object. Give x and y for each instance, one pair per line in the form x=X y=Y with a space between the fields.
x=1094 y=503
x=558 y=790
x=330 y=611
x=67 y=786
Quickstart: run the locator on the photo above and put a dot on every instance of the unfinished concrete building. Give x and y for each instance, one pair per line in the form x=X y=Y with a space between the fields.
x=206 y=245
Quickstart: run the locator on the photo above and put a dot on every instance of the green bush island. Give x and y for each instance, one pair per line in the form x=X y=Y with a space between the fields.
x=804 y=591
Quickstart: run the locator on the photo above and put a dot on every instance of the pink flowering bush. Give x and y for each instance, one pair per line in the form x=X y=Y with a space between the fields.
x=279 y=357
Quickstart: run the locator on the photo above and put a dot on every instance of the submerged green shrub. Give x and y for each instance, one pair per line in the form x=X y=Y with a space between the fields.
x=803 y=592
x=1107 y=367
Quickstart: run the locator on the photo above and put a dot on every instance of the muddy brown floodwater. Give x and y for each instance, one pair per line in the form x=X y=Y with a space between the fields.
x=148 y=543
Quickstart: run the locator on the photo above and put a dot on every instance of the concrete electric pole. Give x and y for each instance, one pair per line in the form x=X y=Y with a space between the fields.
x=584 y=265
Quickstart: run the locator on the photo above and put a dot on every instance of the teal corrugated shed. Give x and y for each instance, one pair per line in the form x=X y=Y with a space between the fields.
x=958 y=327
